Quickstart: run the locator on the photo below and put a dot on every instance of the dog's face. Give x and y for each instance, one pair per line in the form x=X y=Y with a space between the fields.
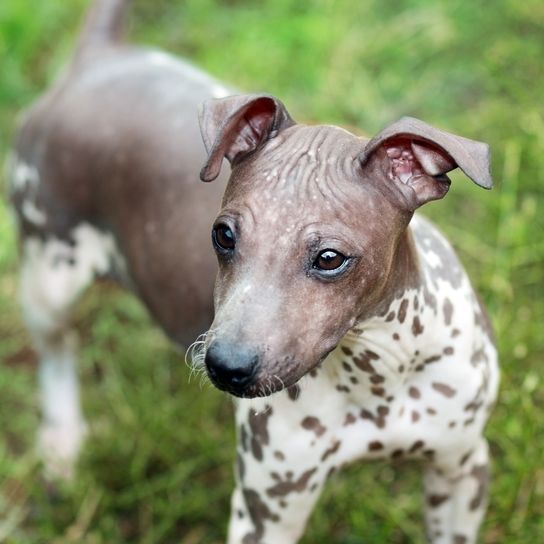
x=306 y=241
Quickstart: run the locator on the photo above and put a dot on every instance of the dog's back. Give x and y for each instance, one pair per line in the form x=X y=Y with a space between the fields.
x=114 y=145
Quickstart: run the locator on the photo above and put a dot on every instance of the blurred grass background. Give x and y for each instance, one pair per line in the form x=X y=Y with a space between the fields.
x=157 y=467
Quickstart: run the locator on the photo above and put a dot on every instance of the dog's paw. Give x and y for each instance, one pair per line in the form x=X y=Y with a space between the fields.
x=59 y=446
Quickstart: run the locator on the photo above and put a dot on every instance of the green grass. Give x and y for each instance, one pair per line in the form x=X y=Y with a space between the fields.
x=157 y=468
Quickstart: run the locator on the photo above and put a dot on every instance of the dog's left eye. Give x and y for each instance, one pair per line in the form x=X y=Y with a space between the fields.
x=329 y=260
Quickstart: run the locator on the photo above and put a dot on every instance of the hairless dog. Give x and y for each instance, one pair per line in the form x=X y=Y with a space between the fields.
x=343 y=322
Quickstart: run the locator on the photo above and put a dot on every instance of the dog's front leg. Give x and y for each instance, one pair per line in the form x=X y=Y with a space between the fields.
x=284 y=457
x=456 y=498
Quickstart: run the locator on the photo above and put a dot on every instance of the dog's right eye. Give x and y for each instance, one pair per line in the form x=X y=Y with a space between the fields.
x=223 y=238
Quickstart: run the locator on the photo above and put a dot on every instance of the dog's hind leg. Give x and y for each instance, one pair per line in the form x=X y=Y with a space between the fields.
x=54 y=273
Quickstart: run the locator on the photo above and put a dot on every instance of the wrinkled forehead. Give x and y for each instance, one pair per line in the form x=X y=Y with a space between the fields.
x=301 y=166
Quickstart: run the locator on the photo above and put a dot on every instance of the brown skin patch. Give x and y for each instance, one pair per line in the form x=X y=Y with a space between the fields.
x=481 y=474
x=434 y=501
x=313 y=424
x=376 y=445
x=288 y=485
x=331 y=451
x=259 y=513
x=414 y=392
x=350 y=419
x=460 y=539
x=402 y=310
x=443 y=389
x=447 y=309
x=293 y=392
x=258 y=424
x=417 y=327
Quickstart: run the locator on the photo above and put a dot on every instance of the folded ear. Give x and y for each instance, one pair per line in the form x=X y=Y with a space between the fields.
x=416 y=157
x=235 y=126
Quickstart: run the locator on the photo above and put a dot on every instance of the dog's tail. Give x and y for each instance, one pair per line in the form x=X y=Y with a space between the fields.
x=104 y=25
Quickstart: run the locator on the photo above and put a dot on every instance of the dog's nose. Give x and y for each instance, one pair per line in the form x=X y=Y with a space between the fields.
x=231 y=367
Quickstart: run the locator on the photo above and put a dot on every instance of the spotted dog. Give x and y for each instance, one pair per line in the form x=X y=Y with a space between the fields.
x=344 y=322
x=104 y=182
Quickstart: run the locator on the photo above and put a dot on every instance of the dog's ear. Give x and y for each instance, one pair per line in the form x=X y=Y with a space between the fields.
x=235 y=126
x=416 y=157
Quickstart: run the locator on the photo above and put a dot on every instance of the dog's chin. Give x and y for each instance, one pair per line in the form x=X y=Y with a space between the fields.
x=260 y=388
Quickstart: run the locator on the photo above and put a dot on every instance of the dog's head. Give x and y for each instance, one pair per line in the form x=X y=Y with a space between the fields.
x=312 y=231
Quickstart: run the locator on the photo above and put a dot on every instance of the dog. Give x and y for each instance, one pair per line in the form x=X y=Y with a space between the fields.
x=104 y=182
x=342 y=321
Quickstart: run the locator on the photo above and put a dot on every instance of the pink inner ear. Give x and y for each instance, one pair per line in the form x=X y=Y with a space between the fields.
x=410 y=159
x=403 y=163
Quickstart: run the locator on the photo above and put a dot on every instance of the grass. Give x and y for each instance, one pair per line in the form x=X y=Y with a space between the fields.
x=158 y=466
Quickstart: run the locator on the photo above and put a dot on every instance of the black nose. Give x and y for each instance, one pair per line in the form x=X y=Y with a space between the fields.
x=231 y=367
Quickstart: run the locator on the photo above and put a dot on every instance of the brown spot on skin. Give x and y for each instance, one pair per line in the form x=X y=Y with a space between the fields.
x=417 y=445
x=402 y=310
x=443 y=389
x=258 y=512
x=279 y=455
x=353 y=380
x=455 y=332
x=397 y=454
x=313 y=424
x=343 y=388
x=478 y=356
x=347 y=351
x=243 y=437
x=429 y=454
x=390 y=317
x=396 y=336
x=293 y=392
x=241 y=467
x=331 y=471
x=417 y=327
x=434 y=501
x=460 y=539
x=431 y=411
x=288 y=485
x=365 y=414
x=449 y=350
x=468 y=422
x=376 y=445
x=350 y=419
x=377 y=391
x=414 y=392
x=432 y=359
x=481 y=473
x=331 y=451
x=347 y=366
x=419 y=368
x=376 y=379
x=401 y=369
x=258 y=424
x=447 y=308
x=452 y=424
x=416 y=303
x=383 y=410
x=415 y=416
x=465 y=458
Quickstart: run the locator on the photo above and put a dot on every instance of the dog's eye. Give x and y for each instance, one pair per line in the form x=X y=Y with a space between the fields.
x=329 y=260
x=223 y=237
